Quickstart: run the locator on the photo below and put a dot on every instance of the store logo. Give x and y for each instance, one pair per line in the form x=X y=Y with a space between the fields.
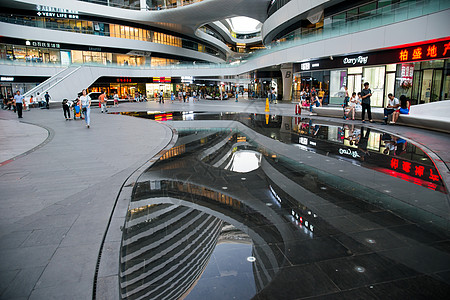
x=353 y=153
x=6 y=78
x=56 y=12
x=305 y=66
x=43 y=44
x=359 y=60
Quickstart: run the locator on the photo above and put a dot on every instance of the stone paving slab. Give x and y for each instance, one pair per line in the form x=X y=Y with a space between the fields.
x=17 y=137
x=56 y=201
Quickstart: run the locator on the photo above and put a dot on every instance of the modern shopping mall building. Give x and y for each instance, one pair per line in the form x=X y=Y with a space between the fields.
x=232 y=199
x=399 y=47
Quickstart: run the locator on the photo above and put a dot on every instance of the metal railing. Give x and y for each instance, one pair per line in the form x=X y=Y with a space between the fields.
x=387 y=15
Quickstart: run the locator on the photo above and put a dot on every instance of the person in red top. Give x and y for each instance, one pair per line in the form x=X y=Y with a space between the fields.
x=103 y=101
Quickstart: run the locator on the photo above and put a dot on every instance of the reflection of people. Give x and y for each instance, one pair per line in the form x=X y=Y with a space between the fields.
x=363 y=143
x=365 y=95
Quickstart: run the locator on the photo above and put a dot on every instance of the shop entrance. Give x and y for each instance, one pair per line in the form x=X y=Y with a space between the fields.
x=354 y=84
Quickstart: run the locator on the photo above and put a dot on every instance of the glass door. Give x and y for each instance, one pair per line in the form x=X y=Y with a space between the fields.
x=425 y=94
x=354 y=84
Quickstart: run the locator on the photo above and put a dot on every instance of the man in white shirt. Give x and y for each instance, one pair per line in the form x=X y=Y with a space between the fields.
x=393 y=105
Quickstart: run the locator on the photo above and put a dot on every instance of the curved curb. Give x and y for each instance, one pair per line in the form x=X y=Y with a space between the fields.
x=51 y=135
x=129 y=182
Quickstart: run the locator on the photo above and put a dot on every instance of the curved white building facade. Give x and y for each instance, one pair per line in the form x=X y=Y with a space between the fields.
x=100 y=45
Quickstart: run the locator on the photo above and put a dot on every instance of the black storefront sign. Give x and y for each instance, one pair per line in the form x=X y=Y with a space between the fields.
x=22 y=79
x=409 y=53
x=60 y=46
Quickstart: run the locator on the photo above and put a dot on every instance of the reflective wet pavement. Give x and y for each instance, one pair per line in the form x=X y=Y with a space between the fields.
x=341 y=212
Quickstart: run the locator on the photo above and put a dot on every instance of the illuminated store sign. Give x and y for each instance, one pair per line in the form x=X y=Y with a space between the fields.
x=356 y=60
x=43 y=44
x=6 y=78
x=408 y=54
x=162 y=79
x=305 y=66
x=350 y=152
x=56 y=12
x=123 y=79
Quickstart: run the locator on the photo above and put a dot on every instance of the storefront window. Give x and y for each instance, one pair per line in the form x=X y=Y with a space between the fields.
x=437 y=81
x=19 y=53
x=338 y=79
x=446 y=85
x=425 y=94
x=375 y=77
x=77 y=57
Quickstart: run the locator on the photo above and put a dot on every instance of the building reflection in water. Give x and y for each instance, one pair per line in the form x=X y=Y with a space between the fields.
x=213 y=218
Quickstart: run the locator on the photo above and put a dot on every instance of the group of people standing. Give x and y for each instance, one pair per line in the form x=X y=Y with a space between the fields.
x=18 y=103
x=395 y=106
x=312 y=98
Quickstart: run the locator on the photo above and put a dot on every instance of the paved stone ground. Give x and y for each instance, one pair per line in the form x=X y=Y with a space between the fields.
x=55 y=201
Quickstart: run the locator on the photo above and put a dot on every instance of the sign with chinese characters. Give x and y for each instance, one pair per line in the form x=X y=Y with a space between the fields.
x=56 y=12
x=43 y=44
x=424 y=52
x=407 y=73
x=408 y=54
x=123 y=79
x=305 y=66
x=162 y=79
x=423 y=172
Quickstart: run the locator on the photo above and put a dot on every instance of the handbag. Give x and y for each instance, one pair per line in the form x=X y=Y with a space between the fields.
x=84 y=109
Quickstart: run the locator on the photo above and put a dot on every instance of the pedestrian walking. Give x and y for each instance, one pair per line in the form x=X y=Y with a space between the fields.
x=18 y=100
x=86 y=107
x=103 y=100
x=116 y=100
x=161 y=97
x=66 y=108
x=47 y=100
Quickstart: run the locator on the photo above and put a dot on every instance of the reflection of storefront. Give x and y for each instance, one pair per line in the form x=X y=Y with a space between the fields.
x=372 y=149
x=421 y=72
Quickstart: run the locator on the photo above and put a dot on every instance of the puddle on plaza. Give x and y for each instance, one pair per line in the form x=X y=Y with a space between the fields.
x=221 y=216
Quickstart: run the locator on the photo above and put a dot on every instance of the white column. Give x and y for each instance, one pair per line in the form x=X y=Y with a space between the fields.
x=286 y=73
x=143 y=4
